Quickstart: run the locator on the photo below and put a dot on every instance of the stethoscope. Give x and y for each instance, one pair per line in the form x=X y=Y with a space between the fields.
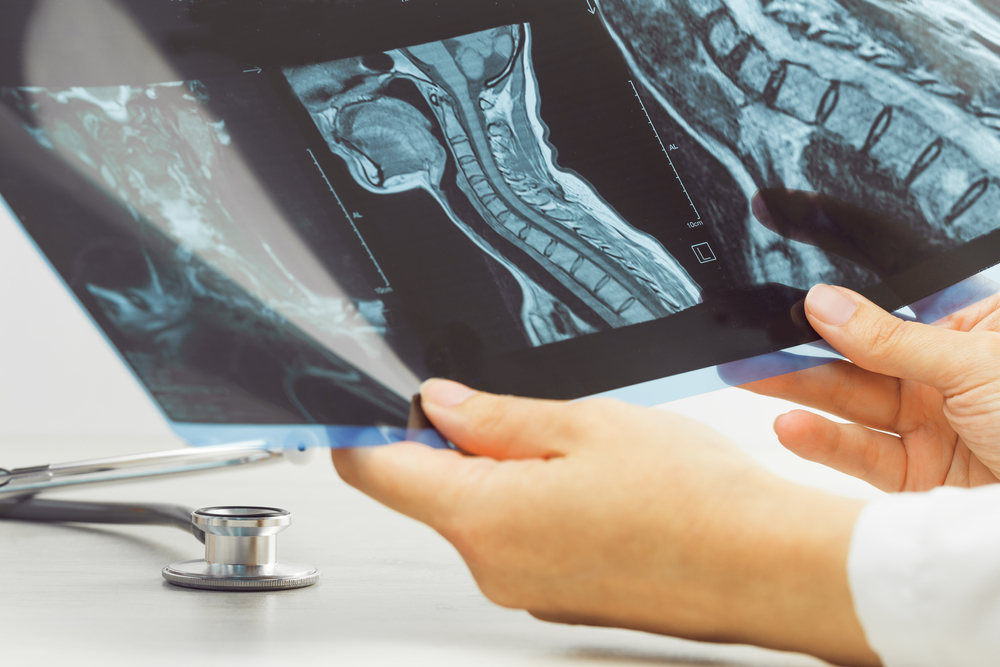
x=241 y=552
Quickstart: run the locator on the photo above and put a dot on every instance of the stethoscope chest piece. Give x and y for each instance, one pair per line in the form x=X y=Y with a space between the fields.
x=241 y=553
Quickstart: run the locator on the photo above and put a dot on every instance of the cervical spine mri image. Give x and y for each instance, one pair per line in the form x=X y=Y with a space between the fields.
x=484 y=99
x=891 y=106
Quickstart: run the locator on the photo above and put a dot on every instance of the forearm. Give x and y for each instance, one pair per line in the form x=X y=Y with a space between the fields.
x=788 y=582
x=763 y=562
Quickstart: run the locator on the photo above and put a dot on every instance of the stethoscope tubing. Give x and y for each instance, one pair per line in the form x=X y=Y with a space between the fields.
x=44 y=510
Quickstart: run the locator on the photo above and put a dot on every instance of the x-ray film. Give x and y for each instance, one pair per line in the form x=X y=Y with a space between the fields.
x=284 y=215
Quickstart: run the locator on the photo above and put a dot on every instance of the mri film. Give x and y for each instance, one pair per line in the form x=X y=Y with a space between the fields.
x=893 y=107
x=485 y=102
x=203 y=282
x=289 y=213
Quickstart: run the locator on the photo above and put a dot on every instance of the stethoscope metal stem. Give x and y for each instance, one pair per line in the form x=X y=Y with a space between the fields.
x=241 y=552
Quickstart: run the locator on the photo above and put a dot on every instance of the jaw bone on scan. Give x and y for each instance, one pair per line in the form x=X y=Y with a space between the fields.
x=482 y=91
x=884 y=104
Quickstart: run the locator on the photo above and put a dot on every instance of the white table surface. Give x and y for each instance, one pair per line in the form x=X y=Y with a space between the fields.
x=393 y=592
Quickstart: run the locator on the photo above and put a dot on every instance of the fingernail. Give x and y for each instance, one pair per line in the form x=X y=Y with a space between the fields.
x=830 y=306
x=759 y=209
x=774 y=424
x=445 y=393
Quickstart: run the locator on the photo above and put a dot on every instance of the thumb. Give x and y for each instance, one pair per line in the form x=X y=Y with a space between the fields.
x=501 y=427
x=950 y=361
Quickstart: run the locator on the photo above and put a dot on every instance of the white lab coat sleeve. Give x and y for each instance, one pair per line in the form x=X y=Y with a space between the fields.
x=924 y=570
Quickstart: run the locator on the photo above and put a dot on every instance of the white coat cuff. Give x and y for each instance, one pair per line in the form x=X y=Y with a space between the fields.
x=924 y=570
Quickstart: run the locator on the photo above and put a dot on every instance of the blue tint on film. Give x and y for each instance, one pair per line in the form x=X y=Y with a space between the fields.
x=802 y=357
x=303 y=437
x=705 y=380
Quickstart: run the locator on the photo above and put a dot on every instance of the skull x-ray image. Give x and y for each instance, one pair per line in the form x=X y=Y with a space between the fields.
x=890 y=106
x=485 y=102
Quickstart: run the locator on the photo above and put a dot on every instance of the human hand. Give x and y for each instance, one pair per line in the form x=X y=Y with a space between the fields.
x=602 y=513
x=924 y=401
